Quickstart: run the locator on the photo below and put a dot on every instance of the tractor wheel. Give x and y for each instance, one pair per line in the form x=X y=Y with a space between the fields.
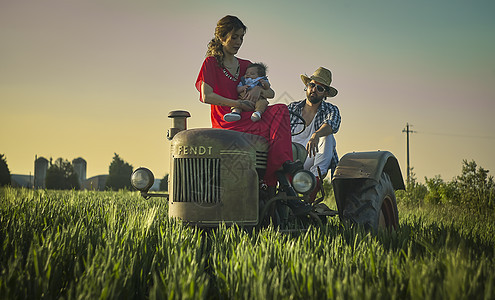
x=372 y=204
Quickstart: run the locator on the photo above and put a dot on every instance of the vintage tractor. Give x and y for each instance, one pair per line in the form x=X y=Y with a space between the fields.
x=216 y=177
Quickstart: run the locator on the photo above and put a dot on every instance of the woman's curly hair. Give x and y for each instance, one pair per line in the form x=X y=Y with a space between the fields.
x=225 y=26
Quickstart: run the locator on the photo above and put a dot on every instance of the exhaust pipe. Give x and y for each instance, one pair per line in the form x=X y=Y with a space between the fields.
x=179 y=122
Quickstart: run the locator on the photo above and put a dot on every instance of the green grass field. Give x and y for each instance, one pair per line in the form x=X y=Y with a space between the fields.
x=116 y=245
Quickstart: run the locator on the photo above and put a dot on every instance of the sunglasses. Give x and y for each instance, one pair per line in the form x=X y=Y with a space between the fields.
x=319 y=88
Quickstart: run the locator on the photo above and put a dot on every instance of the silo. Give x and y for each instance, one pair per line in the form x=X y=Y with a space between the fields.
x=40 y=168
x=79 y=165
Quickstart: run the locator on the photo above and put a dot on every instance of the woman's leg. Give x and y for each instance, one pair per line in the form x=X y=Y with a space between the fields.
x=279 y=136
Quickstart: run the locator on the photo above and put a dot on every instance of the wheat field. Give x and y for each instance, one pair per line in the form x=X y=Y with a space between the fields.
x=117 y=245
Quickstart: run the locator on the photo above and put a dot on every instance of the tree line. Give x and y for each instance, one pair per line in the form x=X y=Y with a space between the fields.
x=61 y=175
x=473 y=188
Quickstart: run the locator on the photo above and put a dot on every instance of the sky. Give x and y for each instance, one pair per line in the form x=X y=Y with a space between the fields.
x=90 y=78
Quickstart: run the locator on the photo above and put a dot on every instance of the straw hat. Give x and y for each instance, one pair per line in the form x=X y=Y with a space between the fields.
x=322 y=76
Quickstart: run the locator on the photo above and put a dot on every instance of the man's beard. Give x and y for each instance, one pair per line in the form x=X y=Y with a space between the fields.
x=315 y=100
x=313 y=97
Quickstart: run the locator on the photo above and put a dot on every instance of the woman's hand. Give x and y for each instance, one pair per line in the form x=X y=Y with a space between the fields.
x=264 y=84
x=208 y=96
x=245 y=105
x=253 y=94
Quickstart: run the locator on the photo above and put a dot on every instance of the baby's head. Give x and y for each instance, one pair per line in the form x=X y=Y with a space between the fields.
x=256 y=70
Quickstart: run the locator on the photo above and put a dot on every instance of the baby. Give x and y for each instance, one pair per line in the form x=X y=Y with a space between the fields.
x=255 y=75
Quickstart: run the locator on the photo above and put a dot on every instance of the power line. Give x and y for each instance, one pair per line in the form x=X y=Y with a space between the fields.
x=457 y=135
x=408 y=130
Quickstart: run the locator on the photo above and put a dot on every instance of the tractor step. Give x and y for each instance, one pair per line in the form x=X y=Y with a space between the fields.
x=322 y=209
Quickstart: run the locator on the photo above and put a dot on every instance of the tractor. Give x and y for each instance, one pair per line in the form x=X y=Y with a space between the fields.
x=216 y=177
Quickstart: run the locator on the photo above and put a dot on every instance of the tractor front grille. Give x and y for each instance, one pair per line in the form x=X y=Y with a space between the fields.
x=196 y=180
x=261 y=158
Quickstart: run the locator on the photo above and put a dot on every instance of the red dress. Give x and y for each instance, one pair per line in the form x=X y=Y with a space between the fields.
x=274 y=124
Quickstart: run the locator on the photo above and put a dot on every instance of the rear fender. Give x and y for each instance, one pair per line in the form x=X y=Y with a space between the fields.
x=365 y=165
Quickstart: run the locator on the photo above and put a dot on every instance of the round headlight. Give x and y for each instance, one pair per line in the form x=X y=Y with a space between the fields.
x=142 y=179
x=303 y=181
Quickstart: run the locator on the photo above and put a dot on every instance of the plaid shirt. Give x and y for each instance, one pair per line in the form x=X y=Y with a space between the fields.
x=327 y=113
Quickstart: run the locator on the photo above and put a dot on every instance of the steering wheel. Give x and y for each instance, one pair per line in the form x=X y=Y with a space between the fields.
x=299 y=121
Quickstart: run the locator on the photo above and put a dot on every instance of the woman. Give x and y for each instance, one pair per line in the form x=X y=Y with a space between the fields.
x=217 y=83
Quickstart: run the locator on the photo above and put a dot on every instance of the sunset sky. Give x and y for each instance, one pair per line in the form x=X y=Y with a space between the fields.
x=90 y=78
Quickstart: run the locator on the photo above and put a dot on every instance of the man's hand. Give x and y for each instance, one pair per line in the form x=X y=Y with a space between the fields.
x=312 y=145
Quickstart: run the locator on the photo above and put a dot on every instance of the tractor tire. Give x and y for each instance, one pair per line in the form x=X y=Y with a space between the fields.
x=372 y=204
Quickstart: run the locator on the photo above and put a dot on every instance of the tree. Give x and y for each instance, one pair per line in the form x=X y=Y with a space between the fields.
x=475 y=187
x=415 y=192
x=164 y=183
x=4 y=171
x=61 y=176
x=119 y=174
x=440 y=191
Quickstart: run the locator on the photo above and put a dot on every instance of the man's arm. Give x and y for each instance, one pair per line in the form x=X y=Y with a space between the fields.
x=333 y=117
x=312 y=146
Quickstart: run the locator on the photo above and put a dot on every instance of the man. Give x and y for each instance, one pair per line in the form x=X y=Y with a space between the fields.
x=322 y=122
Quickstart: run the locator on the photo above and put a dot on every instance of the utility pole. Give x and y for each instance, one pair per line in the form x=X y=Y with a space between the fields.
x=407 y=131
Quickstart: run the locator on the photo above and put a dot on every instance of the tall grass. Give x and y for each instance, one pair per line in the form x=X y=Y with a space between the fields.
x=116 y=245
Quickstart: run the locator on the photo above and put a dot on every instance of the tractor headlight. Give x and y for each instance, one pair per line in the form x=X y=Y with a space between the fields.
x=142 y=179
x=303 y=181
